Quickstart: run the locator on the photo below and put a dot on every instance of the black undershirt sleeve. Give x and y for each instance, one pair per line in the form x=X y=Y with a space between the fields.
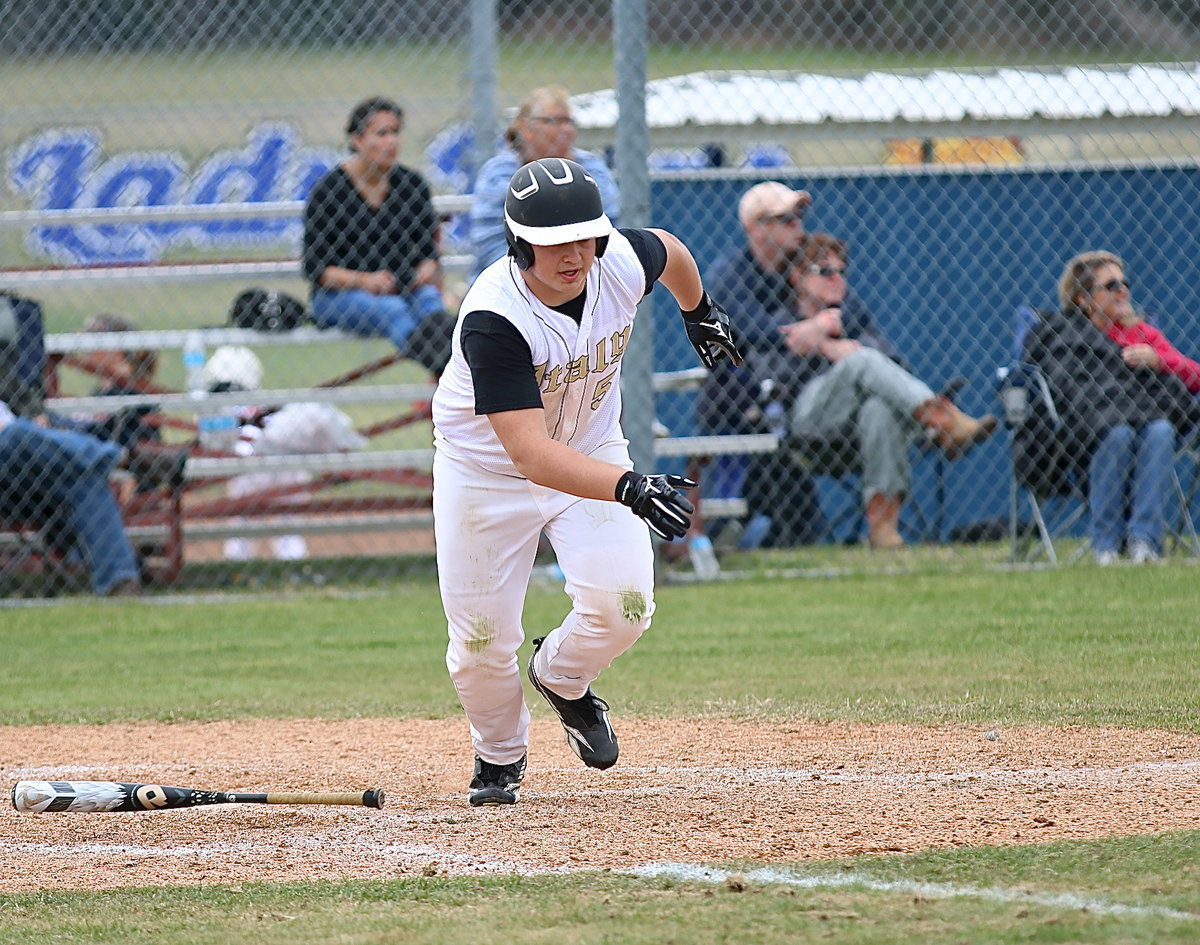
x=501 y=364
x=650 y=251
x=499 y=357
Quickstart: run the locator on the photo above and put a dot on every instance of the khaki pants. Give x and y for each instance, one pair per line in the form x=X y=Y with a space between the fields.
x=870 y=398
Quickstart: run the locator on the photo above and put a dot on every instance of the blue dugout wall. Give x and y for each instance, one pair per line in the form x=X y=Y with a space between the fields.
x=943 y=258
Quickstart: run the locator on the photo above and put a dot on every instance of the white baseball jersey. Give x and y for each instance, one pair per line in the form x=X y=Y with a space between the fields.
x=488 y=517
x=578 y=366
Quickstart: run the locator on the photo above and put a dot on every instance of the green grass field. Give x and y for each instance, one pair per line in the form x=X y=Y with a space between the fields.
x=1074 y=646
x=1068 y=647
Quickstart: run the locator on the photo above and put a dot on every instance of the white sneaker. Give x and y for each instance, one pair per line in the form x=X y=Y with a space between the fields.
x=1106 y=558
x=1142 y=552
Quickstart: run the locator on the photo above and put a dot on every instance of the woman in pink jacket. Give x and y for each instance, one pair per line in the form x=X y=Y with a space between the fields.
x=1143 y=345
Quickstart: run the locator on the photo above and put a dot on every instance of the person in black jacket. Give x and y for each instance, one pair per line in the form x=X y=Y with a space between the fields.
x=1120 y=422
x=370 y=243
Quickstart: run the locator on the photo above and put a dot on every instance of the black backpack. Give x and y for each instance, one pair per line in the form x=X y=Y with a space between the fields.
x=266 y=310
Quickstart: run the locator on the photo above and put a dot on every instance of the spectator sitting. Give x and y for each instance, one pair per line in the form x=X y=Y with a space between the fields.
x=543 y=127
x=122 y=372
x=60 y=480
x=752 y=283
x=371 y=243
x=293 y=428
x=127 y=372
x=1121 y=418
x=842 y=382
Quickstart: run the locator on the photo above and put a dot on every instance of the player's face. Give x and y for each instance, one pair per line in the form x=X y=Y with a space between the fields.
x=1109 y=301
x=379 y=143
x=558 y=272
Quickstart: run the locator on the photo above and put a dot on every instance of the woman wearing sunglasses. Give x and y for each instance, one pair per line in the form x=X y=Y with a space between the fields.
x=1142 y=344
x=844 y=385
x=1121 y=406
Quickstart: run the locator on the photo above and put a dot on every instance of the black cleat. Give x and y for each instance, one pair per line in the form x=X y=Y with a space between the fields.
x=585 y=721
x=496 y=784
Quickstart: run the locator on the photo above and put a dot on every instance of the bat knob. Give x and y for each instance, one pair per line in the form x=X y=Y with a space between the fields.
x=32 y=797
x=373 y=798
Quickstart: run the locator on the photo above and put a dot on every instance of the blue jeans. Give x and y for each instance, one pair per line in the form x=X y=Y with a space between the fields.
x=1130 y=467
x=68 y=473
x=376 y=316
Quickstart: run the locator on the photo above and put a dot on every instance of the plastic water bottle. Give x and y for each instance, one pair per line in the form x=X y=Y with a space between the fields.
x=549 y=574
x=218 y=428
x=193 y=364
x=770 y=396
x=775 y=419
x=703 y=558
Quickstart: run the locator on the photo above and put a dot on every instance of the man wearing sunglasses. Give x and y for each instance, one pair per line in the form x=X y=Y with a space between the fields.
x=753 y=282
x=753 y=278
x=1120 y=411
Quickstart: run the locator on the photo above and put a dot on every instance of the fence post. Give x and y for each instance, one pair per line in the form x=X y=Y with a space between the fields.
x=482 y=56
x=629 y=42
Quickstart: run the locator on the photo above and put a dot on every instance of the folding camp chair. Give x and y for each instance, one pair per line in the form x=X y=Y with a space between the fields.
x=1043 y=474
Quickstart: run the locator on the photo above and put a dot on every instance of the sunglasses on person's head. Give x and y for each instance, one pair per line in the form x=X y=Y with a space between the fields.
x=827 y=271
x=1113 y=284
x=783 y=219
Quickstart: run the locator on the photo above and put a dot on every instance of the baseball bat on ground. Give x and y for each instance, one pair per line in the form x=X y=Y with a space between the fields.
x=37 y=797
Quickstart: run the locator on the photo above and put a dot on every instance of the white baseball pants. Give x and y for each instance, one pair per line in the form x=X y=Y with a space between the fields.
x=486 y=527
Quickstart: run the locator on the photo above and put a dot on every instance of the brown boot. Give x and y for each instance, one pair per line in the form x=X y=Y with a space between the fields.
x=883 y=521
x=954 y=431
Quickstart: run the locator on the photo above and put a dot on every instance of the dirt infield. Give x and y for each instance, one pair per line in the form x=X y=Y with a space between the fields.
x=690 y=791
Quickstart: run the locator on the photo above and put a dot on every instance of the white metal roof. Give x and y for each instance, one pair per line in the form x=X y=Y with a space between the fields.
x=732 y=99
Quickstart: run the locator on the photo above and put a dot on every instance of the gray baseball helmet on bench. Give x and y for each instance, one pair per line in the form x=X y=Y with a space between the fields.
x=552 y=201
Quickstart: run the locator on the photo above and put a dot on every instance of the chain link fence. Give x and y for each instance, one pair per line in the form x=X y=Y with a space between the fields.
x=935 y=166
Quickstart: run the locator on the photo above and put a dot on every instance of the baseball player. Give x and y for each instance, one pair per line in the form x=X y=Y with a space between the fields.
x=528 y=439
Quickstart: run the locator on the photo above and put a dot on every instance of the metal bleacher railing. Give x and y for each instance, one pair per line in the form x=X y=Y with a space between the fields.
x=216 y=518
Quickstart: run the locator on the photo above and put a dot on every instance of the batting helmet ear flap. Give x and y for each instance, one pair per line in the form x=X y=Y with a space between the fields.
x=519 y=249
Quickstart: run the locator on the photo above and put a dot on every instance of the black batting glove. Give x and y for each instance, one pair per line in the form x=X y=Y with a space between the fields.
x=657 y=499
x=709 y=332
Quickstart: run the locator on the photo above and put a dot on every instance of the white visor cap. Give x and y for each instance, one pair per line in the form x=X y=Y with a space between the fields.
x=564 y=233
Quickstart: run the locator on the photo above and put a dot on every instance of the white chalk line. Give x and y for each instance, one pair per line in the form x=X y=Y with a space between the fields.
x=1071 y=902
x=412 y=856
x=682 y=872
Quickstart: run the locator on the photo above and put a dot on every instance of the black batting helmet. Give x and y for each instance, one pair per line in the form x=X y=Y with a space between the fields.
x=552 y=201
